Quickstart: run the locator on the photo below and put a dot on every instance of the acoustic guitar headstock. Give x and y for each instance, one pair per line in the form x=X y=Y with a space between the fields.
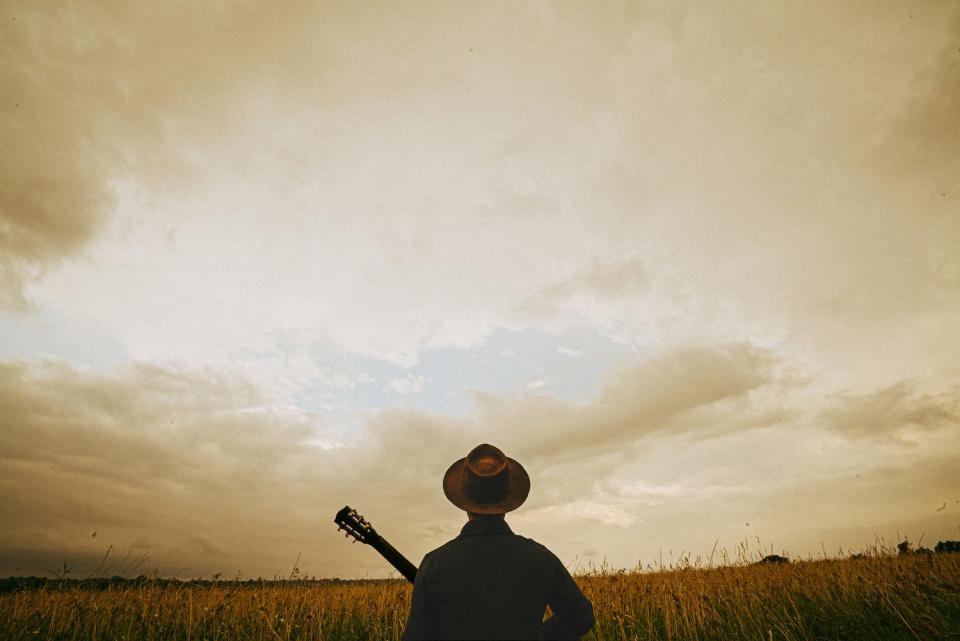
x=355 y=525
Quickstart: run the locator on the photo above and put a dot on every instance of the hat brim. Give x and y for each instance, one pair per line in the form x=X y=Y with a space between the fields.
x=517 y=494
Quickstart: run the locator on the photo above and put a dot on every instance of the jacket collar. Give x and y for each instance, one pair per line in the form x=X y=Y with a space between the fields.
x=483 y=526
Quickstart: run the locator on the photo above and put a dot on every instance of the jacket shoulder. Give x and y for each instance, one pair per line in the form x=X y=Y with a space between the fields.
x=438 y=553
x=534 y=545
x=527 y=541
x=535 y=550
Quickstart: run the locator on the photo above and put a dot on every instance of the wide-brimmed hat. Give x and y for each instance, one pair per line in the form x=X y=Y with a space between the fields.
x=485 y=481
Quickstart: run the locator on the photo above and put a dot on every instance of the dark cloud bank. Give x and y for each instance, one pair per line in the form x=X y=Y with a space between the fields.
x=197 y=471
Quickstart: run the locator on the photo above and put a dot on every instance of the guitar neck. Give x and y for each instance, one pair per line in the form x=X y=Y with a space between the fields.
x=397 y=560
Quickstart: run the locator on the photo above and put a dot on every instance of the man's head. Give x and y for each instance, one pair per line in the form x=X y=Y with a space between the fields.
x=486 y=482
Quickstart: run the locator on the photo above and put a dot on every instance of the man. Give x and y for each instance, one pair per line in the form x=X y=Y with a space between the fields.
x=489 y=583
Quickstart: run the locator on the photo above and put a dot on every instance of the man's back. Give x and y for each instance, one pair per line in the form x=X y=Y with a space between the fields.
x=489 y=583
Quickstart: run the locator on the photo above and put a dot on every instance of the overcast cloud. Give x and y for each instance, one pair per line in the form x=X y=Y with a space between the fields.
x=694 y=266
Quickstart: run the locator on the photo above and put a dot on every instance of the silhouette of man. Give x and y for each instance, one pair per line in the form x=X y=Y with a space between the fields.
x=489 y=583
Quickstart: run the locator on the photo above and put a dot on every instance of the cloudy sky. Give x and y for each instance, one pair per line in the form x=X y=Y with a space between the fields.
x=694 y=265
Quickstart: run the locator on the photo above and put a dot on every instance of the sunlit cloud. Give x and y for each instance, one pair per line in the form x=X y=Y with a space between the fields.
x=897 y=412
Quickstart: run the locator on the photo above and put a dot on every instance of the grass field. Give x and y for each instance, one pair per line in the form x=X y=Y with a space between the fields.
x=888 y=597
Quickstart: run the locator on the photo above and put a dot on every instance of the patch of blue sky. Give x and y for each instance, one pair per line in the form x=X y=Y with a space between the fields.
x=571 y=365
x=84 y=342
x=346 y=386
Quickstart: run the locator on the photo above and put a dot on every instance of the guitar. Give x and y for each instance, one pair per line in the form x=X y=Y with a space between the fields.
x=360 y=529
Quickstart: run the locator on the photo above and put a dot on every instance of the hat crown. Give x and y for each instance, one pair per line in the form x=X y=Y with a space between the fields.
x=487 y=475
x=486 y=460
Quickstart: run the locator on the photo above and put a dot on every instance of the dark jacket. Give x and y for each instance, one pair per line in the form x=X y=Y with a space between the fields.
x=489 y=583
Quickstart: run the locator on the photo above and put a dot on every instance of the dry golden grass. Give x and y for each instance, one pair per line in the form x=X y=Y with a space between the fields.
x=912 y=597
x=906 y=597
